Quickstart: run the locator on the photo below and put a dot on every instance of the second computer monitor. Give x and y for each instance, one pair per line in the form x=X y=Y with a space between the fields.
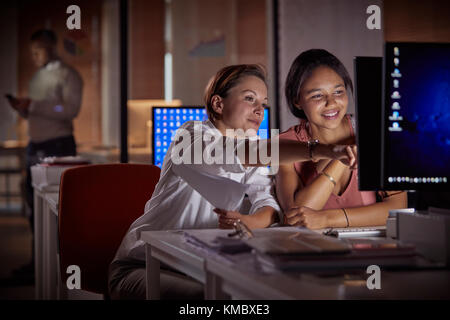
x=416 y=117
x=166 y=120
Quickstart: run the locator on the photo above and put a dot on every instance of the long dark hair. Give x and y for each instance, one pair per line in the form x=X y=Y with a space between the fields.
x=302 y=68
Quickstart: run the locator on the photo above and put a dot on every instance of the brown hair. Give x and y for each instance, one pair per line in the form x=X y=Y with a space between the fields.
x=302 y=68
x=227 y=78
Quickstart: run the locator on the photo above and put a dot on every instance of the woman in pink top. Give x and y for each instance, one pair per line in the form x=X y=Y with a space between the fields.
x=324 y=193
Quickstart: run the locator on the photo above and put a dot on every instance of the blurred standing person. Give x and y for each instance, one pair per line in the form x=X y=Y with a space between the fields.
x=55 y=93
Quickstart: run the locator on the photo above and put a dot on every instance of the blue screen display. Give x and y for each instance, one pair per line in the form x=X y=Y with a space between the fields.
x=166 y=121
x=417 y=115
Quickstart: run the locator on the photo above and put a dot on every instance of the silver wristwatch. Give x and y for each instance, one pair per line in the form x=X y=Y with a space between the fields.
x=311 y=144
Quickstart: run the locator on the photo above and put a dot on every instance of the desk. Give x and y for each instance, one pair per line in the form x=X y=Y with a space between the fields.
x=41 y=237
x=53 y=287
x=46 y=193
x=169 y=247
x=112 y=155
x=223 y=279
x=336 y=285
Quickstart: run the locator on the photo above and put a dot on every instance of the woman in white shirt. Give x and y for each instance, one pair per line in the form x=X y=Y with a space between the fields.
x=202 y=188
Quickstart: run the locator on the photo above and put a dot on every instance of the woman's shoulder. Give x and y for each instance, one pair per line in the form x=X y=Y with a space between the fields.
x=297 y=132
x=352 y=121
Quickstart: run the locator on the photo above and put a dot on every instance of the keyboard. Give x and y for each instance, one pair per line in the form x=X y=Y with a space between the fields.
x=357 y=232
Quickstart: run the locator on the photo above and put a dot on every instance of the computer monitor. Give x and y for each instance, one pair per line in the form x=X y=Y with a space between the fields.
x=166 y=120
x=368 y=111
x=416 y=116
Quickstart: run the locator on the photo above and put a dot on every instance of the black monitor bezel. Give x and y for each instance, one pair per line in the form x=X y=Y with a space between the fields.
x=365 y=183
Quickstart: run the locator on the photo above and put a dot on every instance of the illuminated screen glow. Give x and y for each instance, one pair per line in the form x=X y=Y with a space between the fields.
x=166 y=121
x=417 y=116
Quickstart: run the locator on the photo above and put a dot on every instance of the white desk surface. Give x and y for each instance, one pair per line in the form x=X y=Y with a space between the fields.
x=46 y=188
x=169 y=247
x=52 y=201
x=247 y=284
x=420 y=284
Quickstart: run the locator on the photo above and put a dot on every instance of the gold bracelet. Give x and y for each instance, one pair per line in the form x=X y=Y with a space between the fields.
x=346 y=218
x=329 y=177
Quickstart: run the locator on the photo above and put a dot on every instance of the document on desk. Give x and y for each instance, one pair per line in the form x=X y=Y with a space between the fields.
x=275 y=240
x=362 y=253
x=216 y=241
x=299 y=241
x=219 y=240
x=294 y=248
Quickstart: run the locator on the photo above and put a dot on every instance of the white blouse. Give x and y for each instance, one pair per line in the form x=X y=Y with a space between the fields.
x=186 y=194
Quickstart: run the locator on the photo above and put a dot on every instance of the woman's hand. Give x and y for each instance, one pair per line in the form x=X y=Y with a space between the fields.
x=347 y=154
x=228 y=218
x=306 y=217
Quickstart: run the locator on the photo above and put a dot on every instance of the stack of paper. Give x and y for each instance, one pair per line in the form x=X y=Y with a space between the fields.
x=64 y=161
x=361 y=253
x=49 y=171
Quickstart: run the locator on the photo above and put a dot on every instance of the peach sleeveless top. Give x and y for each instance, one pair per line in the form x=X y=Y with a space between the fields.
x=351 y=197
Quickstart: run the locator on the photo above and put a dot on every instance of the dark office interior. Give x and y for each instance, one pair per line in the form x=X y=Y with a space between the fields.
x=138 y=55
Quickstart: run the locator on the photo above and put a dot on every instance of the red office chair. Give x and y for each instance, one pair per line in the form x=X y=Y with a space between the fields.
x=97 y=204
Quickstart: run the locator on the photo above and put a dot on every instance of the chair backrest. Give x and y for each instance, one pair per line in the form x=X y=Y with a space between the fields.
x=97 y=204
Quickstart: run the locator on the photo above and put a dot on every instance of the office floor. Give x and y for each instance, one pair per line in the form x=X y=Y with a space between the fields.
x=15 y=251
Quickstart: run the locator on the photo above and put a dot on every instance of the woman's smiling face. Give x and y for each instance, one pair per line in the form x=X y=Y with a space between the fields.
x=323 y=98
